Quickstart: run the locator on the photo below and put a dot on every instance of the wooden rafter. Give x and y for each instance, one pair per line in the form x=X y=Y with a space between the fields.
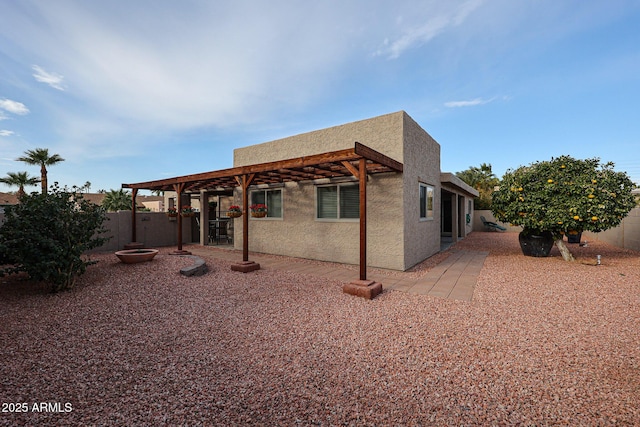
x=326 y=165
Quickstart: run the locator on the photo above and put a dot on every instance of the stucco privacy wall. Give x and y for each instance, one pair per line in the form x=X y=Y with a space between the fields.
x=298 y=233
x=626 y=235
x=154 y=229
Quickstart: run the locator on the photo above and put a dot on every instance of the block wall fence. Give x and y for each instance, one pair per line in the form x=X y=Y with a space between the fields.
x=626 y=235
x=154 y=229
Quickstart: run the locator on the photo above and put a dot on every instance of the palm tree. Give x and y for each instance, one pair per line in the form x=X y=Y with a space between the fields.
x=40 y=156
x=20 y=180
x=482 y=179
x=117 y=200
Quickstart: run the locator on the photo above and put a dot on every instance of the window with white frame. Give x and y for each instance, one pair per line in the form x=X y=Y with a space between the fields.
x=272 y=198
x=426 y=201
x=340 y=201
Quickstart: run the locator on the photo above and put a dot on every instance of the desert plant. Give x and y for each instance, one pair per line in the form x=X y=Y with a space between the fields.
x=45 y=235
x=563 y=195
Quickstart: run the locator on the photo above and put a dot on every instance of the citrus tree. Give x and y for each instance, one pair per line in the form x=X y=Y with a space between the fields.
x=564 y=195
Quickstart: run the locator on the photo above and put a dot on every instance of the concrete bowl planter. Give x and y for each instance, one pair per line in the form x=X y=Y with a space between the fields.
x=132 y=256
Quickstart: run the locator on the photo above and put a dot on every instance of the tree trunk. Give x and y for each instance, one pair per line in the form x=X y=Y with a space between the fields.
x=43 y=178
x=566 y=254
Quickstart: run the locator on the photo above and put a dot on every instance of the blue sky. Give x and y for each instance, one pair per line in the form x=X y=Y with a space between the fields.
x=135 y=91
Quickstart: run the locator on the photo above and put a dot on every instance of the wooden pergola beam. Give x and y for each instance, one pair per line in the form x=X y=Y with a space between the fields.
x=319 y=164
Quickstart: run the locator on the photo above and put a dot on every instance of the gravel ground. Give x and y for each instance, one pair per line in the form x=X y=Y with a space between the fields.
x=544 y=342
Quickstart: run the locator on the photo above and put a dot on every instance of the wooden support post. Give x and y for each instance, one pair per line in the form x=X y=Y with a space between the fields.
x=134 y=233
x=368 y=289
x=178 y=188
x=204 y=218
x=362 y=175
x=134 y=237
x=245 y=266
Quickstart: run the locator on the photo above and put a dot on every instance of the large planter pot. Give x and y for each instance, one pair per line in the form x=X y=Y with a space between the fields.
x=259 y=214
x=536 y=244
x=574 y=237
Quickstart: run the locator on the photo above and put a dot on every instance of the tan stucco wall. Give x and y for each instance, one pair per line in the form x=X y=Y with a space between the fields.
x=383 y=133
x=298 y=233
x=421 y=164
x=626 y=235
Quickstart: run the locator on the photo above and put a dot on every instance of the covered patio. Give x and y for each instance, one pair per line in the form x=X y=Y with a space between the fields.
x=359 y=162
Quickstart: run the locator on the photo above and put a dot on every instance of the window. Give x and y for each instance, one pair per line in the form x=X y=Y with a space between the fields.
x=426 y=201
x=271 y=198
x=340 y=201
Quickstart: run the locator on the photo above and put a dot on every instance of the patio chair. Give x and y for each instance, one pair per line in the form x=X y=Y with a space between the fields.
x=222 y=232
x=491 y=226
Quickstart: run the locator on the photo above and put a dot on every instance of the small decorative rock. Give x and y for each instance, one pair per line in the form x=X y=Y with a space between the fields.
x=198 y=268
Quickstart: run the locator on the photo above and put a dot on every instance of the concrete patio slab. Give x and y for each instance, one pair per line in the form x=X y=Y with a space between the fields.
x=454 y=278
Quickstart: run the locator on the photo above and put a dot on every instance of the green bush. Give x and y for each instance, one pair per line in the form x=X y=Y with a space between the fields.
x=45 y=235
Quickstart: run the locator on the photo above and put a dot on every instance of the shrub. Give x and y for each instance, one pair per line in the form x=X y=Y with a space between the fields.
x=45 y=235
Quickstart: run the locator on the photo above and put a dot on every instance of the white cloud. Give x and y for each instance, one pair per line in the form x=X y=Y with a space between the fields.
x=13 y=107
x=4 y=132
x=422 y=34
x=470 y=103
x=52 y=79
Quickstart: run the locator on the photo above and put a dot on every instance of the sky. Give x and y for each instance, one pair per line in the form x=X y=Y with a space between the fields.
x=132 y=91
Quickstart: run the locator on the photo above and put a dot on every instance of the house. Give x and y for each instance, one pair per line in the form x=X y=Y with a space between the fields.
x=314 y=183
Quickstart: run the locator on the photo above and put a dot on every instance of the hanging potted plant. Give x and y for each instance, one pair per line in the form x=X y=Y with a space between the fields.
x=234 y=211
x=258 y=211
x=172 y=212
x=187 y=211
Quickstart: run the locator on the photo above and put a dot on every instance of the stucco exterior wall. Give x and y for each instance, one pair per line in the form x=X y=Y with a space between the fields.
x=421 y=165
x=299 y=233
x=383 y=134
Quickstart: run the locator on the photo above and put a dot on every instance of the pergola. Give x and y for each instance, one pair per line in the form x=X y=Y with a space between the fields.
x=358 y=161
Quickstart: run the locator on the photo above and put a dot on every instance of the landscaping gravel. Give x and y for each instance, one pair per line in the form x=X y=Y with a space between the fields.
x=544 y=342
